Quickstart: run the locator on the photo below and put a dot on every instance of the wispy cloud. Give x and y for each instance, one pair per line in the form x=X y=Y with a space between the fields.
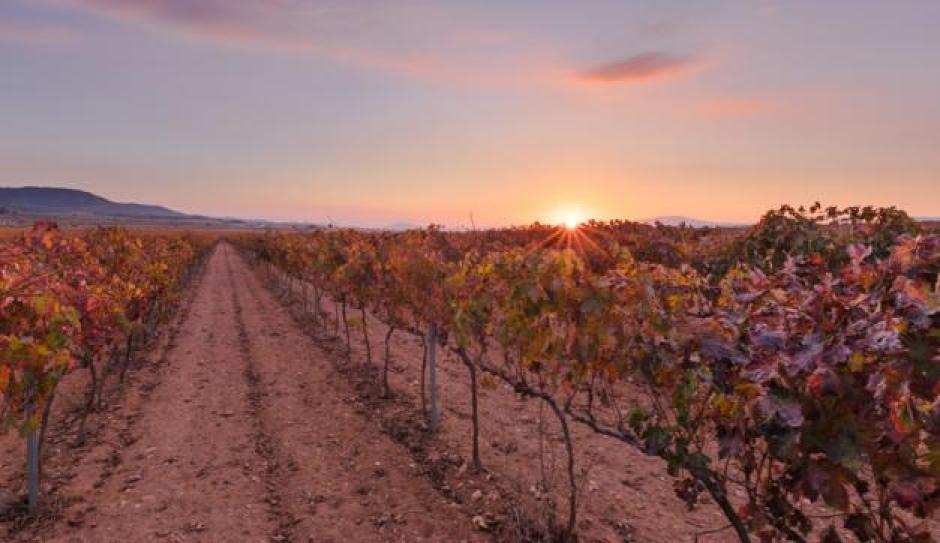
x=190 y=12
x=238 y=21
x=639 y=68
x=414 y=42
x=317 y=31
x=29 y=33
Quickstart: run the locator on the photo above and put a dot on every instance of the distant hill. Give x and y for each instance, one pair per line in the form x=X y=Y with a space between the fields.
x=402 y=226
x=674 y=220
x=71 y=202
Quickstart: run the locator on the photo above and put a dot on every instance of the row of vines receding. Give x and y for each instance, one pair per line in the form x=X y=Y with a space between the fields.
x=789 y=371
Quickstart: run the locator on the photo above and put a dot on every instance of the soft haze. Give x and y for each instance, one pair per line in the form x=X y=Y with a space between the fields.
x=372 y=112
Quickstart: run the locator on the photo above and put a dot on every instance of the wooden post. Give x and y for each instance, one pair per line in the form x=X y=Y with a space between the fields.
x=432 y=373
x=32 y=462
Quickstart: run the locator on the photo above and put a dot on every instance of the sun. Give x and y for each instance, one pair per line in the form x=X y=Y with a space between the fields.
x=571 y=230
x=569 y=218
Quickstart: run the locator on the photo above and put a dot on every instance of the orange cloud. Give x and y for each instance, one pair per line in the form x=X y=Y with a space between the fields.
x=636 y=69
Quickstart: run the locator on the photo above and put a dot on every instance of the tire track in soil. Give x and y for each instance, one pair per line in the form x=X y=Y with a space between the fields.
x=340 y=477
x=274 y=475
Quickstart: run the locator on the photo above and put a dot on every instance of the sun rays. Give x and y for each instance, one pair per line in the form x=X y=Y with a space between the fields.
x=574 y=232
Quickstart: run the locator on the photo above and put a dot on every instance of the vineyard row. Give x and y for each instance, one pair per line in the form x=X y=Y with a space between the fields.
x=799 y=365
x=80 y=301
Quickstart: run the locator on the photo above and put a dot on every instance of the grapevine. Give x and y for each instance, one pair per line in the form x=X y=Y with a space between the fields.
x=795 y=362
x=73 y=301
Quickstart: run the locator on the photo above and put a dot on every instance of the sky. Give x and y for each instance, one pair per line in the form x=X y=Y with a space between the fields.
x=370 y=112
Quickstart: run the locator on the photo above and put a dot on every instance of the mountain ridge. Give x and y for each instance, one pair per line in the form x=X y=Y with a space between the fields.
x=55 y=201
x=677 y=220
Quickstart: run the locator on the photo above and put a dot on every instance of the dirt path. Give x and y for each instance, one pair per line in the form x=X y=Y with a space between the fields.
x=246 y=434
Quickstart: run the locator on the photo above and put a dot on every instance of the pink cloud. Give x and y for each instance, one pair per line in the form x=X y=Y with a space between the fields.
x=639 y=68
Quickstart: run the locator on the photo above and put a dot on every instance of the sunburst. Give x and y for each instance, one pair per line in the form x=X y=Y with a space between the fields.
x=573 y=232
x=570 y=219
